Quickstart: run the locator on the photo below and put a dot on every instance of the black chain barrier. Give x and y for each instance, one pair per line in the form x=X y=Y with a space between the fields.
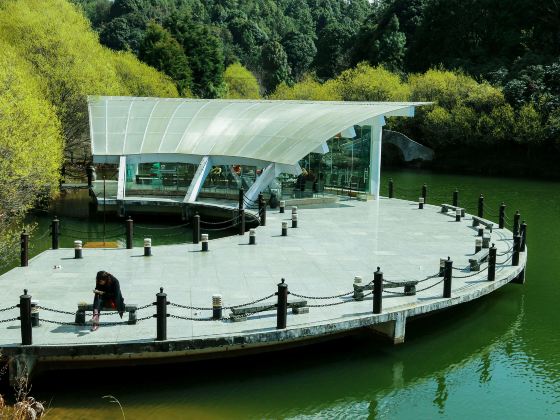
x=8 y=320
x=201 y=308
x=58 y=311
x=429 y=287
x=471 y=275
x=109 y=231
x=402 y=282
x=188 y=318
x=8 y=308
x=42 y=236
x=320 y=297
x=233 y=219
x=161 y=228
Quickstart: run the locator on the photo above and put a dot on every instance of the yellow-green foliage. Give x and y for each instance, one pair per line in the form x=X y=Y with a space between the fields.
x=138 y=79
x=57 y=40
x=241 y=83
x=308 y=89
x=30 y=145
x=450 y=89
x=51 y=61
x=366 y=83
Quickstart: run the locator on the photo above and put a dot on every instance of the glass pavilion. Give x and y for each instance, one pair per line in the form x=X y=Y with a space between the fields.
x=296 y=148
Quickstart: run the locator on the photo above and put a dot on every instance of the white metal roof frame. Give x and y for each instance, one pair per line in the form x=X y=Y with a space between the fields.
x=255 y=132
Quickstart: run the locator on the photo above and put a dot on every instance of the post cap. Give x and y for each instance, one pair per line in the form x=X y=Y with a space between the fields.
x=204 y=237
x=421 y=200
x=161 y=289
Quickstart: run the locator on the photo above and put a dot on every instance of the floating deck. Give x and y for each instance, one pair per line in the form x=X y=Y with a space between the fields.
x=320 y=258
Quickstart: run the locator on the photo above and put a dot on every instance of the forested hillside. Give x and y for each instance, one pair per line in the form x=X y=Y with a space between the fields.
x=51 y=60
x=491 y=67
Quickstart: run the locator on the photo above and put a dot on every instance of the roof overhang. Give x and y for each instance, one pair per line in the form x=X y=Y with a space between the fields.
x=253 y=132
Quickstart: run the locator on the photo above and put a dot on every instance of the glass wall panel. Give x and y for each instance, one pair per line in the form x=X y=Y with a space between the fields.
x=345 y=168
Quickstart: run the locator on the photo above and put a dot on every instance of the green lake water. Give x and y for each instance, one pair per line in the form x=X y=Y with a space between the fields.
x=494 y=358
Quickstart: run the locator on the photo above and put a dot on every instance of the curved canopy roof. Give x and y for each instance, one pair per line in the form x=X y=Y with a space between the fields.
x=269 y=131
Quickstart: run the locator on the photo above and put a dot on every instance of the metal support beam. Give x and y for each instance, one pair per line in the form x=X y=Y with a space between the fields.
x=375 y=156
x=265 y=178
x=198 y=180
x=122 y=178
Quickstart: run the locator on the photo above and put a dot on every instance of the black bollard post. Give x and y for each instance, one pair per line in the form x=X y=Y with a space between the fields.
x=458 y=215
x=377 y=291
x=25 y=318
x=523 y=233
x=241 y=194
x=204 y=242
x=216 y=307
x=421 y=203
x=252 y=237
x=425 y=193
x=89 y=172
x=55 y=232
x=492 y=263
x=161 y=315
x=447 y=278
x=24 y=249
x=78 y=249
x=481 y=206
x=516 y=248
x=147 y=247
x=129 y=232
x=516 y=218
x=284 y=228
x=456 y=197
x=241 y=222
x=282 y=306
x=294 y=220
x=196 y=229
x=502 y=216
x=477 y=244
x=282 y=206
x=391 y=186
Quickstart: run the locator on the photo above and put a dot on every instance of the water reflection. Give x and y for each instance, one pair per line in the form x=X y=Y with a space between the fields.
x=357 y=376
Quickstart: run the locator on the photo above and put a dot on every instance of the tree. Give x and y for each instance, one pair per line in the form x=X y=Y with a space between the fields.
x=204 y=52
x=161 y=51
x=124 y=32
x=308 y=89
x=387 y=46
x=248 y=37
x=366 y=83
x=333 y=46
x=275 y=66
x=301 y=51
x=138 y=79
x=30 y=146
x=241 y=83
x=67 y=57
